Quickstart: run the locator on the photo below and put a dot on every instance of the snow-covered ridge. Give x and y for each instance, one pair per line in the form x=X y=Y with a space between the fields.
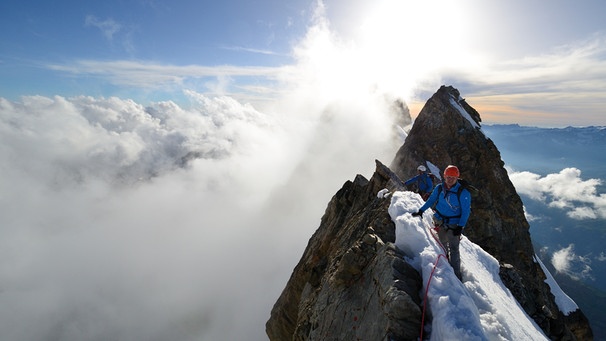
x=480 y=308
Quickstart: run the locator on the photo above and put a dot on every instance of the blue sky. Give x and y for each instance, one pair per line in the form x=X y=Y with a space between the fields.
x=529 y=62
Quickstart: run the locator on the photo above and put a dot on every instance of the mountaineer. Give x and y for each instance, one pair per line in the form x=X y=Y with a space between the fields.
x=452 y=209
x=423 y=180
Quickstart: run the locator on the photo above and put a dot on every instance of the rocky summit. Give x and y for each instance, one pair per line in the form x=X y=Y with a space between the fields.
x=352 y=282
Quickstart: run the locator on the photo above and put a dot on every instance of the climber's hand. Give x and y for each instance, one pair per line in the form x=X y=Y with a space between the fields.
x=457 y=230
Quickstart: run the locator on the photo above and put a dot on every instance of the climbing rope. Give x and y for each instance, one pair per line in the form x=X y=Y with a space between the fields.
x=429 y=282
x=438 y=240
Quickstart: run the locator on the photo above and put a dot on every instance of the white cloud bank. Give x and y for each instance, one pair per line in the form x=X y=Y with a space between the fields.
x=565 y=190
x=165 y=222
x=170 y=221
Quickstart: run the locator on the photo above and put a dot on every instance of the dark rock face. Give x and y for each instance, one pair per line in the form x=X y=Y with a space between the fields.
x=352 y=283
x=443 y=136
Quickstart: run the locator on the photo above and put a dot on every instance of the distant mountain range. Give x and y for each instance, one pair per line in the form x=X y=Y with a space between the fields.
x=549 y=150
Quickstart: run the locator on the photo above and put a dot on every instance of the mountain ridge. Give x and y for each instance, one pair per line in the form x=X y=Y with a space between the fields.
x=332 y=275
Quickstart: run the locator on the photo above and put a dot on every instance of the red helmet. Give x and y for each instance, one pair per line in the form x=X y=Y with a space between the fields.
x=451 y=171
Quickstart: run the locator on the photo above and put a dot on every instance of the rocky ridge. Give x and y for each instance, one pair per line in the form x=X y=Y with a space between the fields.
x=352 y=283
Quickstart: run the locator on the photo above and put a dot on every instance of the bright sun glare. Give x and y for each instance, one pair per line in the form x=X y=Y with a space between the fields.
x=397 y=46
x=408 y=41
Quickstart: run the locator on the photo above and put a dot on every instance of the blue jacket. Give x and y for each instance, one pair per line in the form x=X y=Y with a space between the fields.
x=424 y=182
x=448 y=208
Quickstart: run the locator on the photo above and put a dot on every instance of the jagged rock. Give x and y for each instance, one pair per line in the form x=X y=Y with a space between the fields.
x=448 y=131
x=351 y=282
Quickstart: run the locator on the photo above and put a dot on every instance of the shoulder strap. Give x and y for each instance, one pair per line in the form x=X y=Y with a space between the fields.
x=462 y=185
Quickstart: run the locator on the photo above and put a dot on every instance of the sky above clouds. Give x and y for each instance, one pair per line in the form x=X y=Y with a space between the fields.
x=516 y=62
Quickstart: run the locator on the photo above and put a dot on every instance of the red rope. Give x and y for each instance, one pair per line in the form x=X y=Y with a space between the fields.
x=429 y=282
x=438 y=241
x=426 y=291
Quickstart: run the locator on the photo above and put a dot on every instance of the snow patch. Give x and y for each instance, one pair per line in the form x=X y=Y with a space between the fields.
x=563 y=301
x=464 y=113
x=384 y=193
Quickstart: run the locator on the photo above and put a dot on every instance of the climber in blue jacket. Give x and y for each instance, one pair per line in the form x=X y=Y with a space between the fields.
x=452 y=210
x=423 y=181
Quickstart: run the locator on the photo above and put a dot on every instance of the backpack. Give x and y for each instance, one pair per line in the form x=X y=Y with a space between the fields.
x=473 y=191
x=469 y=187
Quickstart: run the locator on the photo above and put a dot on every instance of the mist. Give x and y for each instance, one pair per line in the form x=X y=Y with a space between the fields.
x=179 y=220
x=169 y=221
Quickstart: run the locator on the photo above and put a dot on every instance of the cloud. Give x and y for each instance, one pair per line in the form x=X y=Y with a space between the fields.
x=108 y=27
x=565 y=261
x=172 y=78
x=111 y=29
x=251 y=50
x=550 y=87
x=565 y=190
x=582 y=213
x=570 y=62
x=163 y=221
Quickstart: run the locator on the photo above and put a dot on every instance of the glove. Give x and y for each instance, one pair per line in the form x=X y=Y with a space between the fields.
x=417 y=214
x=457 y=230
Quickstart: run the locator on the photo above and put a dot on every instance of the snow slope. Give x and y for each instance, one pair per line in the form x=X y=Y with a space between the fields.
x=564 y=302
x=480 y=308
